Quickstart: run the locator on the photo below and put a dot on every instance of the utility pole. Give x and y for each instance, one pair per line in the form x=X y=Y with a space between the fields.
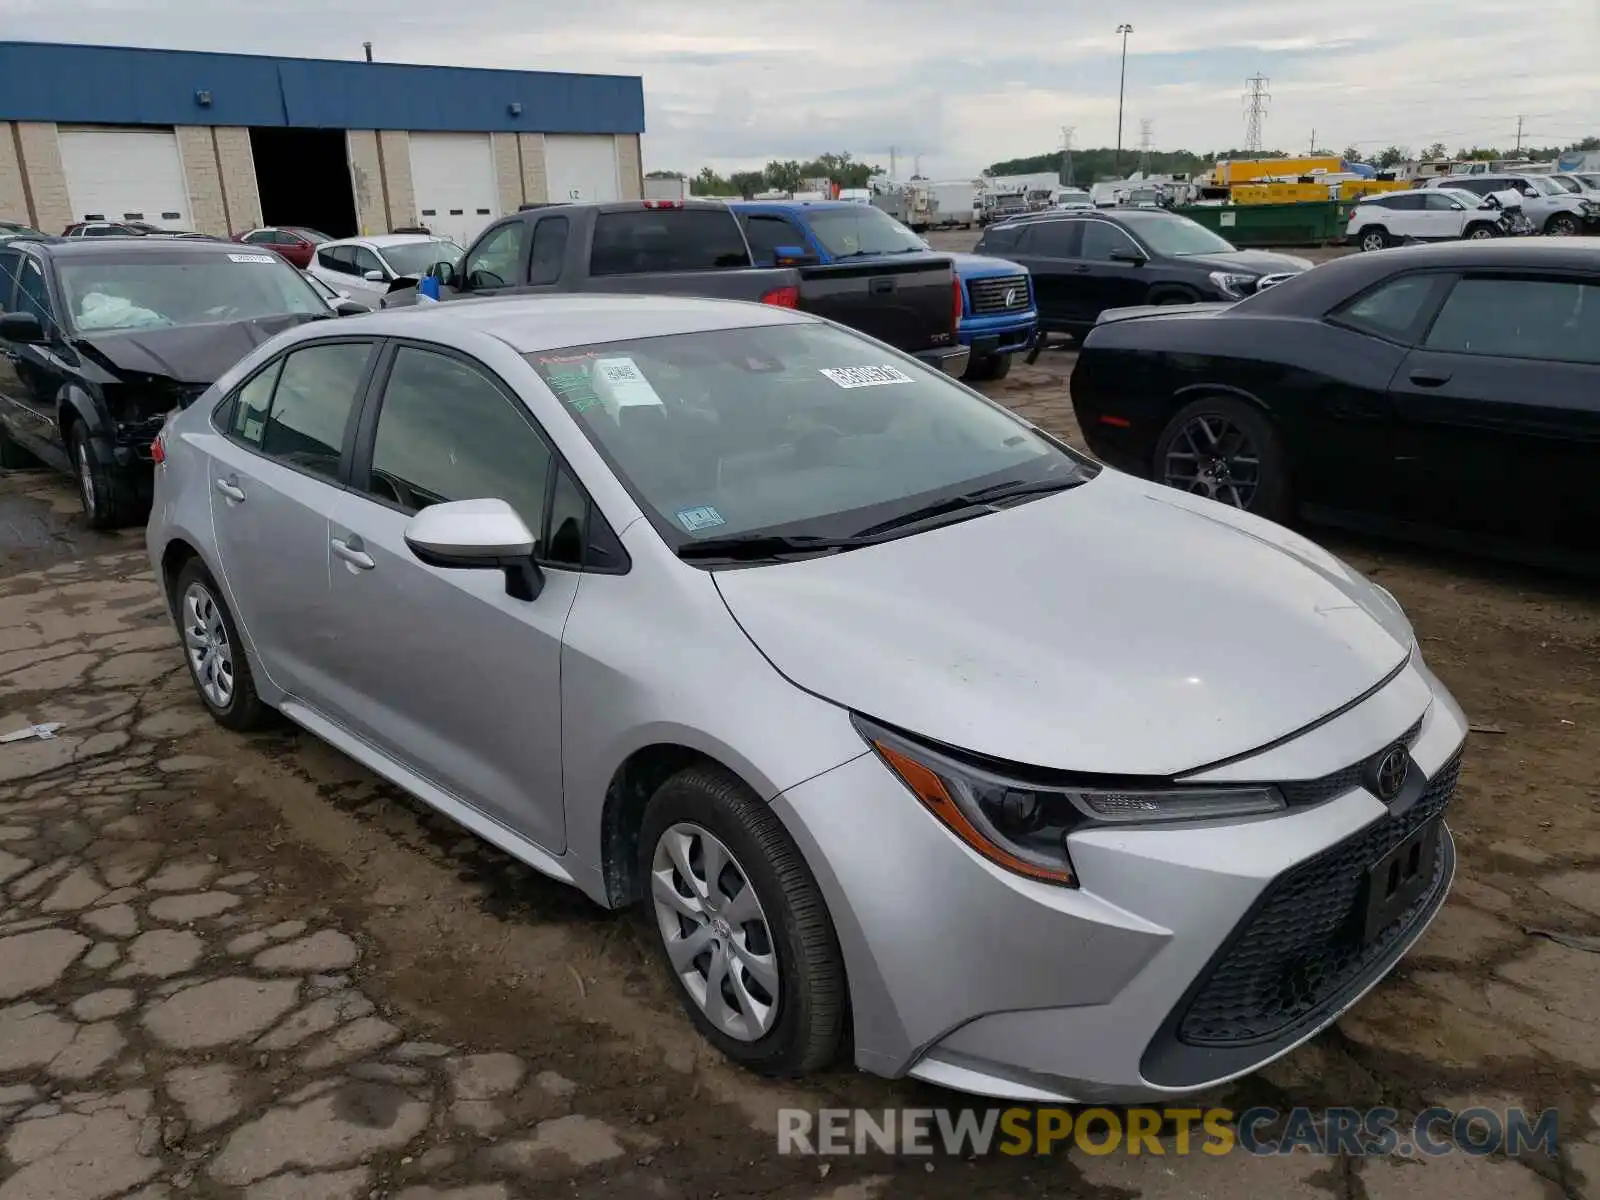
x=367 y=47
x=1256 y=99
x=1312 y=149
x=894 y=167
x=1122 y=86
x=1066 y=154
x=1146 y=140
x=1520 y=120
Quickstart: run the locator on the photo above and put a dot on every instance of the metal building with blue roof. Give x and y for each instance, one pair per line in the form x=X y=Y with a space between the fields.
x=220 y=143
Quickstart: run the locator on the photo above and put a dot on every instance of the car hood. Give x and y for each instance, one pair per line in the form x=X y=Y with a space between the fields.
x=181 y=353
x=978 y=266
x=1250 y=262
x=1119 y=628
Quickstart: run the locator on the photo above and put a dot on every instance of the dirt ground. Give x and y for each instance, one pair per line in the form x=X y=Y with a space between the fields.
x=439 y=1021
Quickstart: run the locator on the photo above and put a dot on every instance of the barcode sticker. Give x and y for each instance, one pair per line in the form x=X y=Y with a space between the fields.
x=256 y=258
x=860 y=377
x=622 y=384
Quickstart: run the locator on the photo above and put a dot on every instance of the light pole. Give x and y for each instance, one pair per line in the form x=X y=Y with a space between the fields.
x=1122 y=84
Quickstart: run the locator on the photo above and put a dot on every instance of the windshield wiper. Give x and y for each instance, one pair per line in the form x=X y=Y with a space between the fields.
x=766 y=545
x=980 y=498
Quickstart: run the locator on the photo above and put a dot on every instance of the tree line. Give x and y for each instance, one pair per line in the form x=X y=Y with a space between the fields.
x=1088 y=166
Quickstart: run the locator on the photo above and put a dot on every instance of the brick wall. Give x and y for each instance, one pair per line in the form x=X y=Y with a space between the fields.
x=507 y=171
x=239 y=187
x=14 y=204
x=202 y=180
x=371 y=214
x=535 y=185
x=630 y=172
x=400 y=197
x=47 y=179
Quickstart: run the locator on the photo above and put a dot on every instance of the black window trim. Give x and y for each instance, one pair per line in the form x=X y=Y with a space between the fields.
x=363 y=437
x=222 y=413
x=1418 y=330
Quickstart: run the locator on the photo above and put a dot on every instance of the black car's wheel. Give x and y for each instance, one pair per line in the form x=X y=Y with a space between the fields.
x=1561 y=225
x=983 y=368
x=1375 y=238
x=1226 y=450
x=109 y=499
x=741 y=926
x=1480 y=232
x=215 y=655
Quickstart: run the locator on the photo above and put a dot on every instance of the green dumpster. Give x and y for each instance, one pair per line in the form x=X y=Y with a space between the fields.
x=1303 y=224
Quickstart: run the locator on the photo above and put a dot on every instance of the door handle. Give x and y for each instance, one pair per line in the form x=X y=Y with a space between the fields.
x=352 y=553
x=1080 y=270
x=231 y=490
x=1429 y=379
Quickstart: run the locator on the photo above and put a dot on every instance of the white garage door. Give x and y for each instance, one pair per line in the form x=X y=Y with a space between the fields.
x=125 y=175
x=581 y=167
x=452 y=175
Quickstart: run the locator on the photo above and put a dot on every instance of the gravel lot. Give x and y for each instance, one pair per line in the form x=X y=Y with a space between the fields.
x=246 y=967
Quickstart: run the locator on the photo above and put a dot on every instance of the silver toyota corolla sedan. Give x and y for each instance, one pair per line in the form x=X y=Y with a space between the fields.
x=895 y=713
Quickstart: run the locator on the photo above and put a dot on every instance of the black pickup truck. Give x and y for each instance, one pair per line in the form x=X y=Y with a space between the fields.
x=697 y=248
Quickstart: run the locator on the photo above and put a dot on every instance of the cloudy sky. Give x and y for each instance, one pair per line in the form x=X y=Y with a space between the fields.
x=955 y=85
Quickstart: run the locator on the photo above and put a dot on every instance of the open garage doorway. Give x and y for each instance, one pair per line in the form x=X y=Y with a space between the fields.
x=303 y=176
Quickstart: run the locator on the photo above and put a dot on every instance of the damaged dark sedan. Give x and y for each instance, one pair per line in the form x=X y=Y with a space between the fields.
x=101 y=338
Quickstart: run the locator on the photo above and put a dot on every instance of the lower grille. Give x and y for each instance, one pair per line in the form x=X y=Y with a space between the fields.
x=1000 y=294
x=1302 y=944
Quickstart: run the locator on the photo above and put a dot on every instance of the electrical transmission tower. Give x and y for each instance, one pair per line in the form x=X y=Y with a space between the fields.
x=1147 y=138
x=1256 y=99
x=1066 y=153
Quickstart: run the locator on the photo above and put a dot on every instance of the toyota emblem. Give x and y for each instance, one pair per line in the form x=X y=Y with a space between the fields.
x=1011 y=298
x=1389 y=773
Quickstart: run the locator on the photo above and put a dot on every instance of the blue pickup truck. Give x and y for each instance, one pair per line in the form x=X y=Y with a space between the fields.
x=998 y=317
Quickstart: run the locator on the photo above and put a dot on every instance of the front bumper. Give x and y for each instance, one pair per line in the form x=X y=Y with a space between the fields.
x=969 y=976
x=952 y=360
x=1009 y=335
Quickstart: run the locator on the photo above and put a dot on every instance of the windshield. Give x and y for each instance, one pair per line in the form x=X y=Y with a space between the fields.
x=191 y=290
x=414 y=258
x=1564 y=183
x=861 y=229
x=787 y=429
x=1174 y=236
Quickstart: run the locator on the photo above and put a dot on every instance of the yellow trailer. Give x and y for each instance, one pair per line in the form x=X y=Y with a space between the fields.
x=1278 y=193
x=1232 y=172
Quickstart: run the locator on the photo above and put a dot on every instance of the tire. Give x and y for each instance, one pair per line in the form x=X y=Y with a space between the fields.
x=1269 y=496
x=1479 y=233
x=807 y=1017
x=1561 y=225
x=1375 y=237
x=200 y=612
x=987 y=368
x=108 y=499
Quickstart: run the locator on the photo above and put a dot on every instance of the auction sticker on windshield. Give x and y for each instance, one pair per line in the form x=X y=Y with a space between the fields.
x=266 y=258
x=701 y=517
x=859 y=377
x=623 y=384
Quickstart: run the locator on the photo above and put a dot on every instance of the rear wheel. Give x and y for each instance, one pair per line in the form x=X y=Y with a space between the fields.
x=741 y=925
x=1226 y=450
x=1375 y=238
x=1561 y=225
x=214 y=653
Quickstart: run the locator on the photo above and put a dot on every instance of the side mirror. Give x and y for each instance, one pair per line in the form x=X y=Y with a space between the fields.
x=24 y=329
x=794 y=256
x=350 y=308
x=444 y=272
x=477 y=535
x=1135 y=258
x=373 y=276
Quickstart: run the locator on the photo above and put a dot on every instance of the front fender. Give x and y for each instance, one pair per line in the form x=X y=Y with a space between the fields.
x=74 y=404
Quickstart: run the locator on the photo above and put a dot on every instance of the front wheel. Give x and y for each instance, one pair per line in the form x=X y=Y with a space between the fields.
x=1480 y=233
x=741 y=925
x=1226 y=450
x=106 y=493
x=1561 y=225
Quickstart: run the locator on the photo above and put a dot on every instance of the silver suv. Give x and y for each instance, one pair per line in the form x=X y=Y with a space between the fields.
x=1550 y=207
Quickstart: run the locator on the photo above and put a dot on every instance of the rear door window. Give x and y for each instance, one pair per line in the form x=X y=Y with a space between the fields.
x=311 y=405
x=549 y=250
x=1555 y=320
x=1053 y=239
x=656 y=240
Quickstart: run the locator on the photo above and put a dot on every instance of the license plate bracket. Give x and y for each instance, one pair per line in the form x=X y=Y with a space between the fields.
x=1396 y=880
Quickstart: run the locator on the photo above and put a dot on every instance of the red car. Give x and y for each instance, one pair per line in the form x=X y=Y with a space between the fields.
x=295 y=242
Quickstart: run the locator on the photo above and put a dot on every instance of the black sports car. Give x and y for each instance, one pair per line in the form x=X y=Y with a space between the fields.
x=1448 y=392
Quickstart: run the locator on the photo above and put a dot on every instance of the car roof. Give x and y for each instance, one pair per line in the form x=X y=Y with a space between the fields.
x=380 y=241
x=529 y=324
x=198 y=245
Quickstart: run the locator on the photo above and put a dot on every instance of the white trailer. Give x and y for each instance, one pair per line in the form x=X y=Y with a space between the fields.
x=953 y=203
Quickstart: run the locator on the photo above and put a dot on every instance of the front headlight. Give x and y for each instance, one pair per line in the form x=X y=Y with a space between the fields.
x=1230 y=284
x=1023 y=825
